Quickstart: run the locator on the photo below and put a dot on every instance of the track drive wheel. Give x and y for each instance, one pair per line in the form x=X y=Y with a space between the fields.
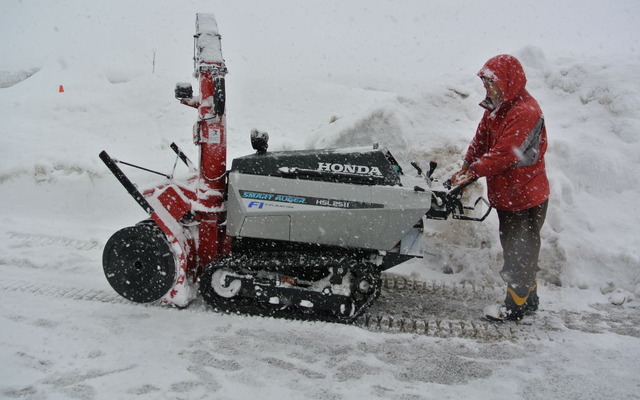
x=218 y=292
x=139 y=264
x=367 y=285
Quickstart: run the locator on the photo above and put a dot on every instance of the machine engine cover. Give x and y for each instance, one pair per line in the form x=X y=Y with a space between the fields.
x=271 y=202
x=365 y=166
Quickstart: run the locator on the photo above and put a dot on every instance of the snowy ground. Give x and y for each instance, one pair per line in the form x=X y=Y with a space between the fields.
x=324 y=74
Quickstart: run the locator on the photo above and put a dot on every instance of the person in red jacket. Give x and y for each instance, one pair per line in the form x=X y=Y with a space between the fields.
x=508 y=149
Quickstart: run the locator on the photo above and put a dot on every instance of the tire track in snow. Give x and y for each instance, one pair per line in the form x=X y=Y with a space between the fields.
x=406 y=305
x=63 y=292
x=390 y=323
x=396 y=312
x=409 y=305
x=46 y=240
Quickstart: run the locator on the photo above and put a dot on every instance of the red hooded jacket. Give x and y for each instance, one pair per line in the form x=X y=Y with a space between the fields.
x=510 y=142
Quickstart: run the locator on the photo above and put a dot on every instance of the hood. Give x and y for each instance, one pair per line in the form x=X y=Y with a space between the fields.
x=508 y=73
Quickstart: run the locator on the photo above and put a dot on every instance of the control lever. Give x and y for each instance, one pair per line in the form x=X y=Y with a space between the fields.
x=432 y=167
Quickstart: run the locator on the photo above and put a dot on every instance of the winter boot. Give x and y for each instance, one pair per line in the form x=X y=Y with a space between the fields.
x=515 y=304
x=533 y=301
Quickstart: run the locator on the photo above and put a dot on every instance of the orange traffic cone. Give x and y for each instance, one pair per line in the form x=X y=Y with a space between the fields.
x=61 y=89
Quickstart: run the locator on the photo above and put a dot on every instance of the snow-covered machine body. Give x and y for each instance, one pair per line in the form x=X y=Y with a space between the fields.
x=348 y=198
x=302 y=234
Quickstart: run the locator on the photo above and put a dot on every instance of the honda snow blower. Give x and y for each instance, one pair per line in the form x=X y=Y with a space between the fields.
x=302 y=234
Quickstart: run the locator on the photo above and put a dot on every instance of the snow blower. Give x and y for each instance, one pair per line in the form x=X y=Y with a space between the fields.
x=302 y=234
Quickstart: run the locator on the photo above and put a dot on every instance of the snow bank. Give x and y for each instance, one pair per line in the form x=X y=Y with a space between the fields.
x=593 y=120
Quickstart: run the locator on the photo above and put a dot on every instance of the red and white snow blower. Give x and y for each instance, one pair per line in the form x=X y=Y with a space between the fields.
x=303 y=234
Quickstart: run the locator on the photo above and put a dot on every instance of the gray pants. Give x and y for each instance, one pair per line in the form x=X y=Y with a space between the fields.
x=520 y=239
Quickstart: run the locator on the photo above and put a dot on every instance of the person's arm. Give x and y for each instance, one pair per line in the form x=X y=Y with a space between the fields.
x=505 y=153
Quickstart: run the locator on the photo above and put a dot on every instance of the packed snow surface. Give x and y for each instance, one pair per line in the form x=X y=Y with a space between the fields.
x=316 y=74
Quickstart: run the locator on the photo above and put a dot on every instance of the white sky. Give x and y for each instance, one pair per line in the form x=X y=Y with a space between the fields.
x=317 y=39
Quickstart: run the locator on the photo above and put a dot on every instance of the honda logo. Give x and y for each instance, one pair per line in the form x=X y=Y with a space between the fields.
x=349 y=169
